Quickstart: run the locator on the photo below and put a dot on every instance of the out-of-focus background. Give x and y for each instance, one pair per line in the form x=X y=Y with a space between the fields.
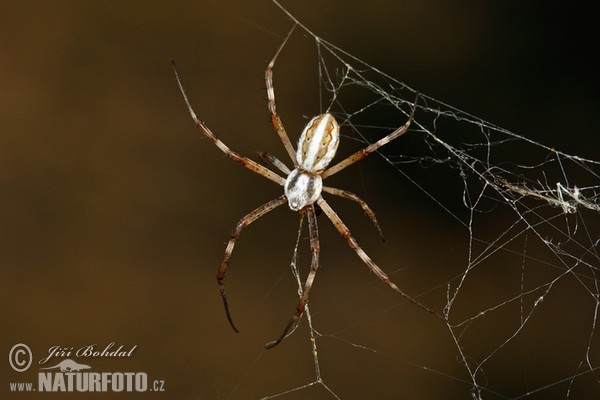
x=114 y=210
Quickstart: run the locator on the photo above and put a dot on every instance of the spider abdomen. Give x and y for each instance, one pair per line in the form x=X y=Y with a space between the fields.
x=318 y=143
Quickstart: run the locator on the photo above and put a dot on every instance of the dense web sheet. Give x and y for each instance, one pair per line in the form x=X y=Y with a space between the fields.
x=520 y=305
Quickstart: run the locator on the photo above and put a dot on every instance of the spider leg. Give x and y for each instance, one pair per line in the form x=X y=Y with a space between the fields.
x=314 y=250
x=359 y=155
x=275 y=161
x=246 y=162
x=351 y=196
x=245 y=221
x=277 y=124
x=345 y=232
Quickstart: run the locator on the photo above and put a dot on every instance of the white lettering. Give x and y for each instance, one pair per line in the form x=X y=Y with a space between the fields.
x=59 y=383
x=45 y=381
x=118 y=382
x=94 y=384
x=82 y=384
x=141 y=382
x=57 y=351
x=92 y=351
x=92 y=381
x=105 y=380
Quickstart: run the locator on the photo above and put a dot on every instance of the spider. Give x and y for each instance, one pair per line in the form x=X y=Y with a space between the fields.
x=303 y=188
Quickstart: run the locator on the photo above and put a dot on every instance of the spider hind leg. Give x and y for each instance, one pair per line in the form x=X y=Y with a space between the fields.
x=314 y=249
x=245 y=221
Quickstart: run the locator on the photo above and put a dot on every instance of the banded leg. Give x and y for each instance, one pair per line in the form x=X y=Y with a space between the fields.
x=359 y=155
x=345 y=232
x=246 y=162
x=277 y=124
x=276 y=162
x=351 y=196
x=314 y=250
x=247 y=220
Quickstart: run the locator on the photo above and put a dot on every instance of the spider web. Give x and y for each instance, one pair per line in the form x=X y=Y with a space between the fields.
x=519 y=289
x=116 y=209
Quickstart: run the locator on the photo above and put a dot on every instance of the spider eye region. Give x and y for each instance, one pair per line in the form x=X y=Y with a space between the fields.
x=318 y=143
x=302 y=188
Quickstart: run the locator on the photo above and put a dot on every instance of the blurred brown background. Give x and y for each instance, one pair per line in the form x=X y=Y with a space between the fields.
x=115 y=211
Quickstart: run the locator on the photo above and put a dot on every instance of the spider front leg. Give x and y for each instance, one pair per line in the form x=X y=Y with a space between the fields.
x=275 y=120
x=359 y=155
x=276 y=162
x=246 y=162
x=247 y=220
x=314 y=250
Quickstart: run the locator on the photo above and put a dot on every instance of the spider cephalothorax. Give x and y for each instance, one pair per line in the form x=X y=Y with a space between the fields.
x=303 y=187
